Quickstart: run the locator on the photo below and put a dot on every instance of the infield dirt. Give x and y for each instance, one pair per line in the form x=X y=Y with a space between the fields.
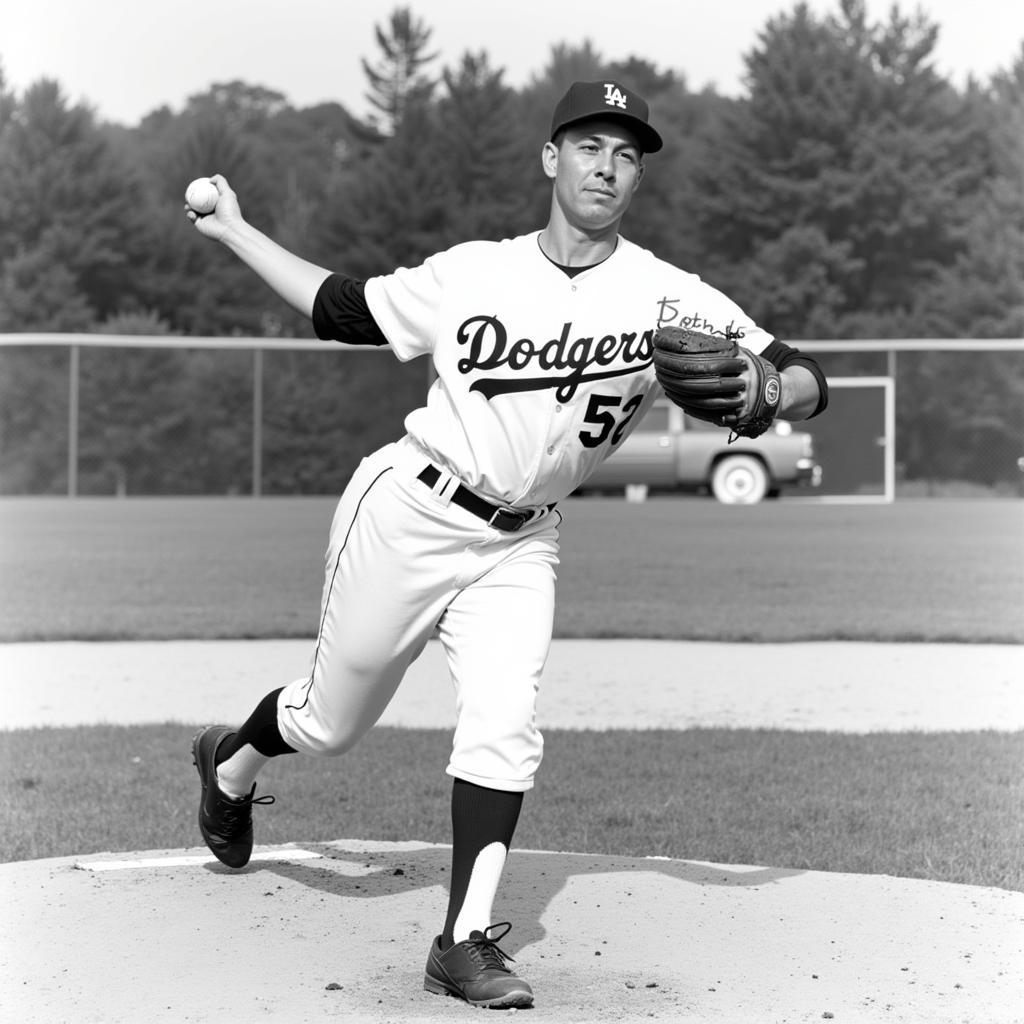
x=588 y=684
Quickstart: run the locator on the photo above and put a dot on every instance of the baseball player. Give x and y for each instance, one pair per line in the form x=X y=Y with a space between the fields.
x=542 y=346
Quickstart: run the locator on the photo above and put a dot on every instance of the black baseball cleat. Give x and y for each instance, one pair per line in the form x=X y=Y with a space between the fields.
x=475 y=970
x=226 y=823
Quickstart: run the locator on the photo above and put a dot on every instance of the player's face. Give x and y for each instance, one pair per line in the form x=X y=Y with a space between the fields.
x=595 y=170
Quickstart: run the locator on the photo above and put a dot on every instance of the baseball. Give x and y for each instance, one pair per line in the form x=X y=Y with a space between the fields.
x=202 y=195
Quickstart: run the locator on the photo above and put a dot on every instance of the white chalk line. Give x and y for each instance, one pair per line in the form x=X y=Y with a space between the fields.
x=177 y=861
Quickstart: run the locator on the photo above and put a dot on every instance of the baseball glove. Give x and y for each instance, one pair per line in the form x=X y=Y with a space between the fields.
x=701 y=373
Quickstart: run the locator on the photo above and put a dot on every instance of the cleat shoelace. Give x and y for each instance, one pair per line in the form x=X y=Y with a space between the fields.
x=235 y=816
x=485 y=950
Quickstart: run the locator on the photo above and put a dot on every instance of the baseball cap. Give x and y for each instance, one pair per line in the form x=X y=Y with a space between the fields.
x=585 y=101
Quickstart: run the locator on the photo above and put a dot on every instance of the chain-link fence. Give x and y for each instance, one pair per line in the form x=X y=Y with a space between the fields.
x=91 y=415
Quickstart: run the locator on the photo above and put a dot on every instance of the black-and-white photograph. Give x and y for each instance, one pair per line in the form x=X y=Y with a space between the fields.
x=512 y=507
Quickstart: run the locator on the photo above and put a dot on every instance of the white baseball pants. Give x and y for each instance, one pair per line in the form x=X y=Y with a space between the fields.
x=403 y=561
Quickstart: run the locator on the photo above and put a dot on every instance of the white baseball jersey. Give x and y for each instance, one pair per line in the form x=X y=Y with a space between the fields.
x=539 y=375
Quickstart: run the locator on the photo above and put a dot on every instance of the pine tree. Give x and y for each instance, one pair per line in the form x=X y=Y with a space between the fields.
x=490 y=176
x=397 y=79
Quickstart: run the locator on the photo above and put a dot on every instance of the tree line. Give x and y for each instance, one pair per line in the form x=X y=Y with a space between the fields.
x=851 y=191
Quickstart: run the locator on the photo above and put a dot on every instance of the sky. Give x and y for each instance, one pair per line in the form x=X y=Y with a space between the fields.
x=126 y=58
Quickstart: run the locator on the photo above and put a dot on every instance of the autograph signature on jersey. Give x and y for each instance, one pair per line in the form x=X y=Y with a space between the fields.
x=584 y=358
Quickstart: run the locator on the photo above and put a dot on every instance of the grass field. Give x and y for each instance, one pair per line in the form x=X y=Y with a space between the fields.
x=941 y=806
x=946 y=806
x=669 y=568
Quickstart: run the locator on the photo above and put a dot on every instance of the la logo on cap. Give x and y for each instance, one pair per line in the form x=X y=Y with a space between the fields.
x=613 y=97
x=601 y=100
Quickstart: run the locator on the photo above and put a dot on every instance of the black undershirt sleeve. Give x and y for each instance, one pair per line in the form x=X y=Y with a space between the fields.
x=340 y=313
x=781 y=355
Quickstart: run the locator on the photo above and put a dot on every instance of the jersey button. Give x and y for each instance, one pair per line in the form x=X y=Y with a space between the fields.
x=551 y=449
x=558 y=408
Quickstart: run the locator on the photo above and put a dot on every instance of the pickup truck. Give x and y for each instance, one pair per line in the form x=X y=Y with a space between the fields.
x=671 y=451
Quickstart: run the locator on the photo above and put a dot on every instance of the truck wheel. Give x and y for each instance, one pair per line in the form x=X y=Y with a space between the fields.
x=739 y=480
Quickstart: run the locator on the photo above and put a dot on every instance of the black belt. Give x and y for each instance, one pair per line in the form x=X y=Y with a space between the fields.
x=501 y=517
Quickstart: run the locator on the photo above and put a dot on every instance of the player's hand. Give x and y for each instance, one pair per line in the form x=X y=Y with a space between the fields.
x=226 y=214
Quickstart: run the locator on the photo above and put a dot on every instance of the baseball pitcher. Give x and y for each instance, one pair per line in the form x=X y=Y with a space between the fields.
x=548 y=349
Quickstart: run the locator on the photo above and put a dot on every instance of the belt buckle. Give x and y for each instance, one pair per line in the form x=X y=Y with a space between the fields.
x=514 y=519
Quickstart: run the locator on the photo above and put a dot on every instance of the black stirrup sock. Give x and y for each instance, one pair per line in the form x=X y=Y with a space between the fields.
x=260 y=731
x=480 y=816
